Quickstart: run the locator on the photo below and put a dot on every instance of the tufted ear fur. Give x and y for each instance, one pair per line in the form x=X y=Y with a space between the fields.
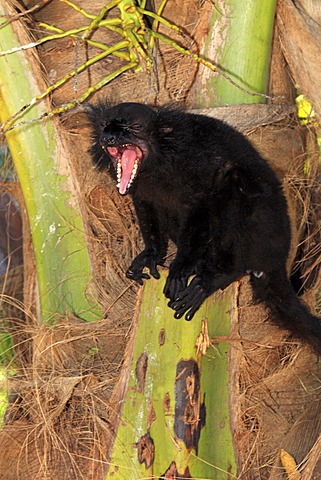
x=163 y=130
x=97 y=118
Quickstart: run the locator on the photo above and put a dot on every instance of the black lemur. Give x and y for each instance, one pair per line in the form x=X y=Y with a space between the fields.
x=197 y=181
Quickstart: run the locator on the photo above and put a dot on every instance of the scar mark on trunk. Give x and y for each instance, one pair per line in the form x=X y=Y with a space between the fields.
x=190 y=412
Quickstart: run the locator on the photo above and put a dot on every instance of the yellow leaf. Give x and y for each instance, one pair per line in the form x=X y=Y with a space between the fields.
x=289 y=466
x=305 y=111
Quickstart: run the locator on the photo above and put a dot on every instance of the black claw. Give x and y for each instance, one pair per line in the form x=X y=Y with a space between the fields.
x=178 y=315
x=137 y=276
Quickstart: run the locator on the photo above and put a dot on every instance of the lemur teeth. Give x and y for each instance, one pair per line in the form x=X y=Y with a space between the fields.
x=119 y=172
x=134 y=171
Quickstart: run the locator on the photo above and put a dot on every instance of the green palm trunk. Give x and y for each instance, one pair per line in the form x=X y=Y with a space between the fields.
x=176 y=412
x=59 y=244
x=239 y=42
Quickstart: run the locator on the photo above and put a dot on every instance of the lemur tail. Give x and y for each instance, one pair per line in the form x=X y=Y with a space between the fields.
x=276 y=292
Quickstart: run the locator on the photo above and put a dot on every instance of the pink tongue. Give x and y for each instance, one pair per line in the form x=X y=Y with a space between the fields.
x=127 y=164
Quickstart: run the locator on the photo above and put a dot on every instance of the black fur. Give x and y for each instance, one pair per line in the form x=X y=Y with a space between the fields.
x=203 y=185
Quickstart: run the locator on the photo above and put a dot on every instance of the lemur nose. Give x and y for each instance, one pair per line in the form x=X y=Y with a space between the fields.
x=107 y=139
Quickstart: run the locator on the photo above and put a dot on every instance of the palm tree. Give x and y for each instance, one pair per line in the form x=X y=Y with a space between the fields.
x=97 y=388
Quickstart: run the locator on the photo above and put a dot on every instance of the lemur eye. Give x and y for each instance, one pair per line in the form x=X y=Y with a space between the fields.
x=136 y=127
x=129 y=128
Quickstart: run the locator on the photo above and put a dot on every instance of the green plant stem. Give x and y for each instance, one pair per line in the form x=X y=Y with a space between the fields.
x=164 y=342
x=62 y=261
x=239 y=42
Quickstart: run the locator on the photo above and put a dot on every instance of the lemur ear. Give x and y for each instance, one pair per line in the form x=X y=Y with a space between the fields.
x=167 y=118
x=163 y=130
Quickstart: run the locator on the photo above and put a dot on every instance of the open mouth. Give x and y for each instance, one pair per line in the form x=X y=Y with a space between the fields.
x=126 y=160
